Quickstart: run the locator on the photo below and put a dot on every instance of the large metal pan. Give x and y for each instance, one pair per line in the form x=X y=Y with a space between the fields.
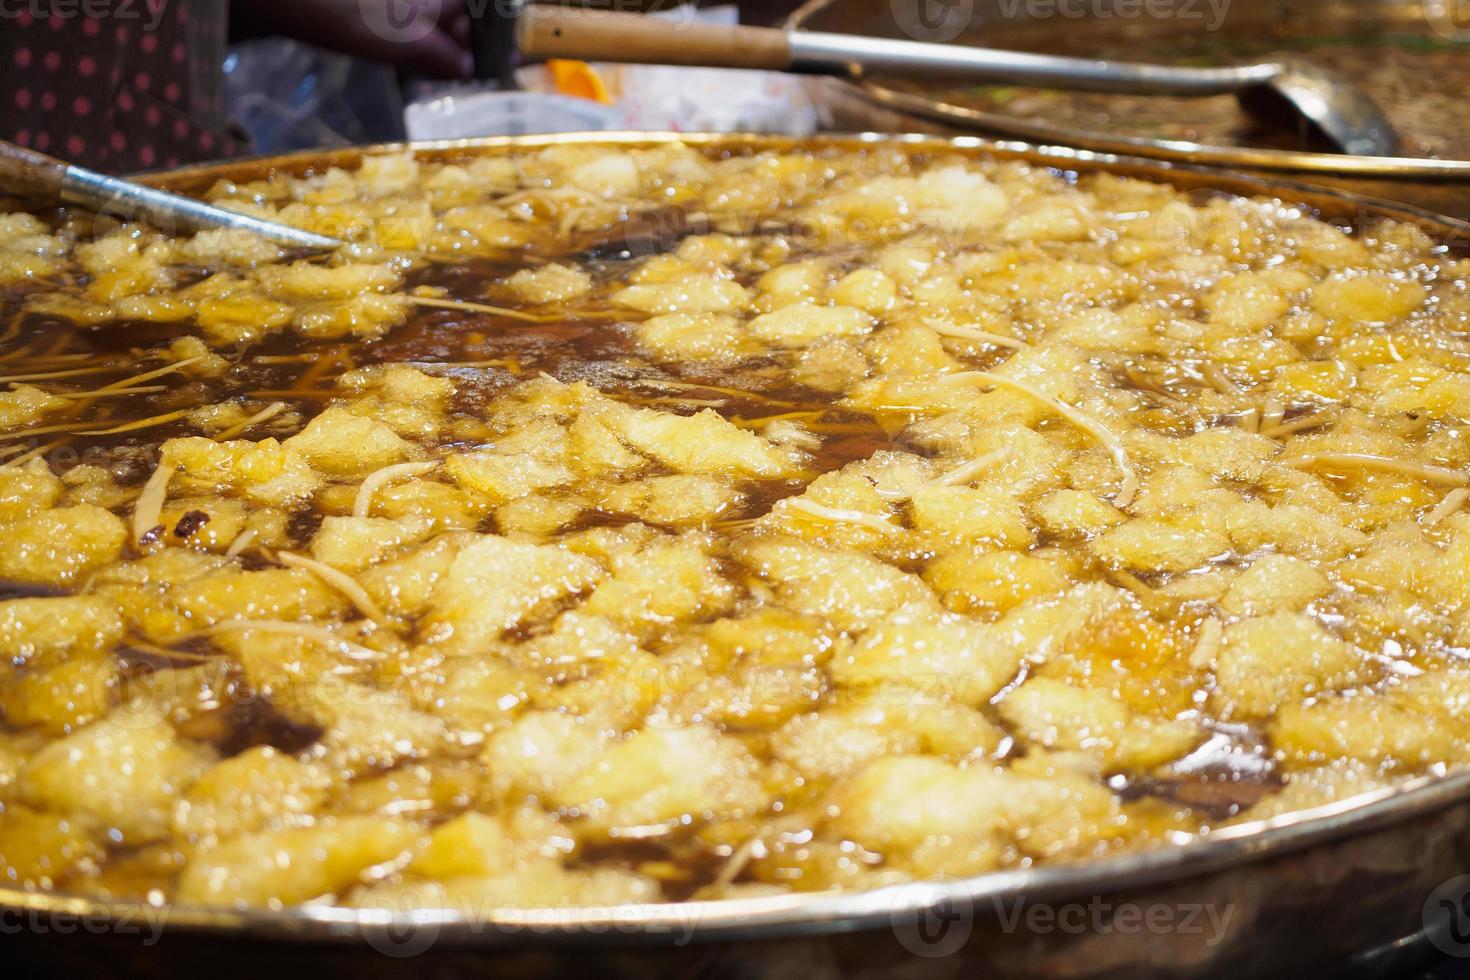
x=1362 y=886
x=1036 y=25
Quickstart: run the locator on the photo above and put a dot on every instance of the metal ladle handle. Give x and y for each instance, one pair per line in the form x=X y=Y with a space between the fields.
x=827 y=53
x=548 y=31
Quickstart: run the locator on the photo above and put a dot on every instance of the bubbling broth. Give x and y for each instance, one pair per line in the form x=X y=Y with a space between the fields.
x=887 y=515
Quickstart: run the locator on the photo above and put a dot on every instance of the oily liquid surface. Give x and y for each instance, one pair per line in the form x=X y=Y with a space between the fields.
x=911 y=516
x=485 y=355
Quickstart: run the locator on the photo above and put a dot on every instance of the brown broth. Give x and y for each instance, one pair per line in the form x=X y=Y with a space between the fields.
x=1137 y=654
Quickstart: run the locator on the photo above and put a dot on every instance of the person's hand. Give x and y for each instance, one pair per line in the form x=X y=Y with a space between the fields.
x=430 y=37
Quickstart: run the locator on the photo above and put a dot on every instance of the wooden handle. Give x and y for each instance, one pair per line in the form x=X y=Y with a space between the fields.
x=547 y=31
x=27 y=173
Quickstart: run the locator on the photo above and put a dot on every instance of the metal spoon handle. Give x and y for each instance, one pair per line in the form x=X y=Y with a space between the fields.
x=36 y=175
x=26 y=173
x=547 y=31
x=824 y=52
x=173 y=212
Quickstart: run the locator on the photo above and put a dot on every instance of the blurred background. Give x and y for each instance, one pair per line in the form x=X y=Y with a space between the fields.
x=131 y=85
x=128 y=85
x=297 y=92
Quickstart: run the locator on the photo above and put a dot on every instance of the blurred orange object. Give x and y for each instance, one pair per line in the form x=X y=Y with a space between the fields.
x=579 y=79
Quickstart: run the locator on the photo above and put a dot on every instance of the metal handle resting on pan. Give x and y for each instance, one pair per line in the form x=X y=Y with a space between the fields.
x=35 y=175
x=546 y=31
x=102 y=194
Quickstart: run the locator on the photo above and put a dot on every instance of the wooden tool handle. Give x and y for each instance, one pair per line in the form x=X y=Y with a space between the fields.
x=27 y=173
x=547 y=31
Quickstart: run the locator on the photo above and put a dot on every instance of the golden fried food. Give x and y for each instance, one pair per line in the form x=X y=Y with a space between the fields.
x=886 y=515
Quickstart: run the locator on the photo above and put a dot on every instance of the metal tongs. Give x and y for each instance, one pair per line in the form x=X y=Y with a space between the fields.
x=1333 y=105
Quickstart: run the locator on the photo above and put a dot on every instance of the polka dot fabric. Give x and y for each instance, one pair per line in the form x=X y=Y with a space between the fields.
x=139 y=89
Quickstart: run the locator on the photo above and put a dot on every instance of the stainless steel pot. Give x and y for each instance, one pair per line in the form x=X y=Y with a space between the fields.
x=1361 y=886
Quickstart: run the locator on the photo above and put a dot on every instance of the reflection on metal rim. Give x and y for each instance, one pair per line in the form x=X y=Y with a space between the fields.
x=1331 y=203
x=820 y=912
